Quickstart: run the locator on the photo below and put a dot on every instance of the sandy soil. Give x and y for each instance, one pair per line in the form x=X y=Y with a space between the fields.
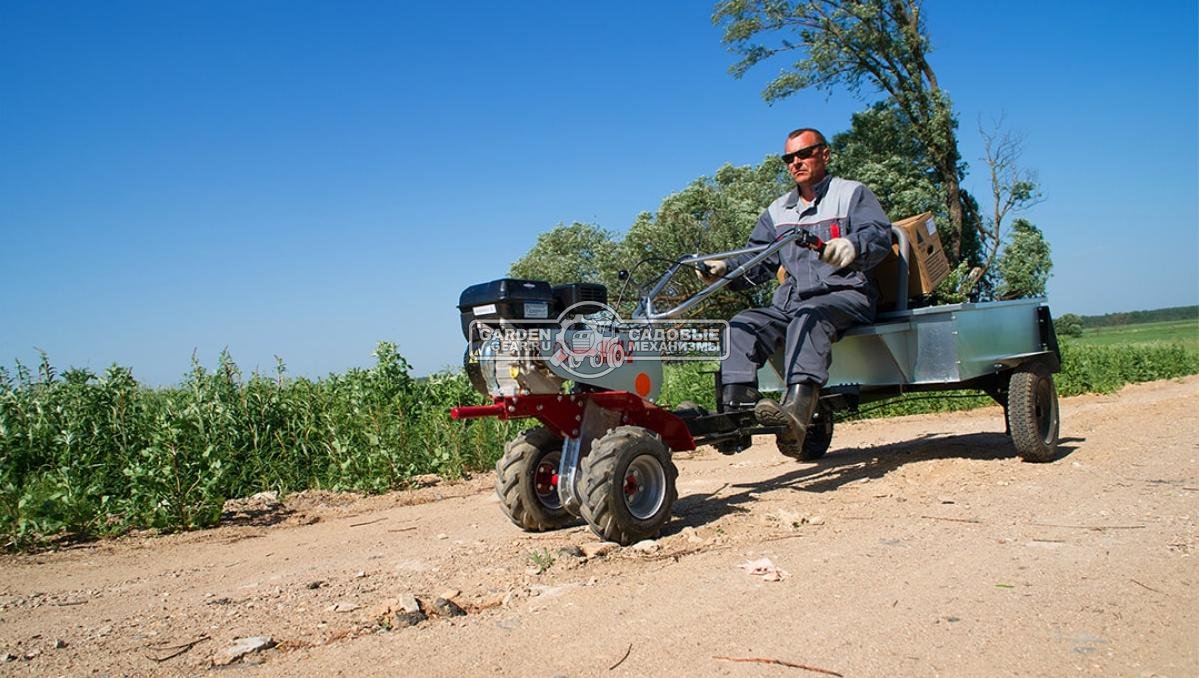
x=918 y=546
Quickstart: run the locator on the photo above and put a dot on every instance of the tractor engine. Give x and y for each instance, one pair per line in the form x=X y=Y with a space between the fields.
x=512 y=326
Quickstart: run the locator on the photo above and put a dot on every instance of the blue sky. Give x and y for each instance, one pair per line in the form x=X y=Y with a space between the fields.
x=304 y=179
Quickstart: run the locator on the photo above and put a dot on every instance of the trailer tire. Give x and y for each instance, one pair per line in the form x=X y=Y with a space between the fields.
x=1033 y=416
x=628 y=485
x=820 y=434
x=526 y=481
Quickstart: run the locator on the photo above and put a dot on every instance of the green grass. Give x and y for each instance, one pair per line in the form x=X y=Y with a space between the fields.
x=1181 y=332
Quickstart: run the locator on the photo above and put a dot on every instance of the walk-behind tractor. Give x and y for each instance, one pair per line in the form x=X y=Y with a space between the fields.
x=603 y=449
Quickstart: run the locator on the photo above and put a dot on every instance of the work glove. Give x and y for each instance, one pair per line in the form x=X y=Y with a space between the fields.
x=716 y=269
x=839 y=252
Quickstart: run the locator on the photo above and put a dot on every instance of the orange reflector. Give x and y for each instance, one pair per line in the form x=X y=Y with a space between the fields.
x=643 y=384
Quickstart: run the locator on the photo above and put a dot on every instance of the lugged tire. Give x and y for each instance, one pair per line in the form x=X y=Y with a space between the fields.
x=515 y=482
x=627 y=450
x=820 y=434
x=1033 y=416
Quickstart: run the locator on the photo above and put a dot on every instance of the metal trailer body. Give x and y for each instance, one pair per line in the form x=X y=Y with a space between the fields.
x=936 y=346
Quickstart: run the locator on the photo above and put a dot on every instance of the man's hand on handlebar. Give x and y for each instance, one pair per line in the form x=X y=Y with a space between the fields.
x=839 y=252
x=712 y=270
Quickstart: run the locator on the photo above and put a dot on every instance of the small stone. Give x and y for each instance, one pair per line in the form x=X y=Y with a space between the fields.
x=9 y=657
x=443 y=535
x=313 y=585
x=59 y=643
x=449 y=594
x=789 y=518
x=405 y=619
x=814 y=520
x=945 y=500
x=360 y=574
x=646 y=546
x=426 y=480
x=242 y=648
x=448 y=608
x=571 y=552
x=32 y=654
x=342 y=606
x=596 y=549
x=409 y=603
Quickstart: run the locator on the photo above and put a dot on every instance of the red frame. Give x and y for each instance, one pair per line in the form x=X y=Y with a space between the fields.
x=563 y=413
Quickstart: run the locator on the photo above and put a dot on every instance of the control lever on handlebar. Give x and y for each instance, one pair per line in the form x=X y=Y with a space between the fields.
x=811 y=241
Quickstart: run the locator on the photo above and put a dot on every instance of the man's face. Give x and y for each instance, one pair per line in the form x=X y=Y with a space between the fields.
x=810 y=170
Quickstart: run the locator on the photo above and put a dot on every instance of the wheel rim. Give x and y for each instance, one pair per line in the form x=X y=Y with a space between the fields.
x=545 y=481
x=644 y=487
x=1045 y=410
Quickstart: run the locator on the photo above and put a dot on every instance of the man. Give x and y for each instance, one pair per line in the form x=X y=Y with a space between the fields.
x=823 y=293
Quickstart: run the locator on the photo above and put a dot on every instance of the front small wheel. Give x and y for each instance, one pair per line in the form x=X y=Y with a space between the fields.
x=526 y=481
x=1033 y=416
x=628 y=485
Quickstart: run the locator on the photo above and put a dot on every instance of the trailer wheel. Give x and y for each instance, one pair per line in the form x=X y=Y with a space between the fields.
x=1032 y=413
x=526 y=481
x=628 y=485
x=820 y=433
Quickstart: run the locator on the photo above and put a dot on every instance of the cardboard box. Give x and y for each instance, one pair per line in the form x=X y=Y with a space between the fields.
x=927 y=265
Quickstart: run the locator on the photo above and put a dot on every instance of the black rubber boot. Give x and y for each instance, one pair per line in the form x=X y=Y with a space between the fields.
x=795 y=413
x=735 y=397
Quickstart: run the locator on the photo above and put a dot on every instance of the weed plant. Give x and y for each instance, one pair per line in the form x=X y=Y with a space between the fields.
x=84 y=455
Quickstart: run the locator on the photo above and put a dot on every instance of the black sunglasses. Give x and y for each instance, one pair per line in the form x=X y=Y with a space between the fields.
x=803 y=153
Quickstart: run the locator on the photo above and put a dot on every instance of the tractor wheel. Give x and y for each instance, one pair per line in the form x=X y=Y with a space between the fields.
x=1032 y=413
x=628 y=485
x=526 y=480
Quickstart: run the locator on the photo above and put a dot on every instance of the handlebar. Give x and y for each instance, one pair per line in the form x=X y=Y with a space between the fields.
x=645 y=309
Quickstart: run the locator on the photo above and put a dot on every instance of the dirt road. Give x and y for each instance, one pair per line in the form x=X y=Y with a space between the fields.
x=919 y=546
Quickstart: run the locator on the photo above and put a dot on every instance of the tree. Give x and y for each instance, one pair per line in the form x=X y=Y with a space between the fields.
x=1013 y=189
x=566 y=254
x=855 y=43
x=1069 y=325
x=880 y=150
x=1025 y=264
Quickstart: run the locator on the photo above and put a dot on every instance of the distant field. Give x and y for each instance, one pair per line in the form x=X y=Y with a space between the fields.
x=1183 y=332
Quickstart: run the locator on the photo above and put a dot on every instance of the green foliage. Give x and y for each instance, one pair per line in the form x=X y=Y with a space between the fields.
x=82 y=455
x=710 y=214
x=566 y=254
x=541 y=559
x=1068 y=325
x=1184 y=333
x=1103 y=369
x=1025 y=264
x=1134 y=317
x=880 y=150
x=691 y=381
